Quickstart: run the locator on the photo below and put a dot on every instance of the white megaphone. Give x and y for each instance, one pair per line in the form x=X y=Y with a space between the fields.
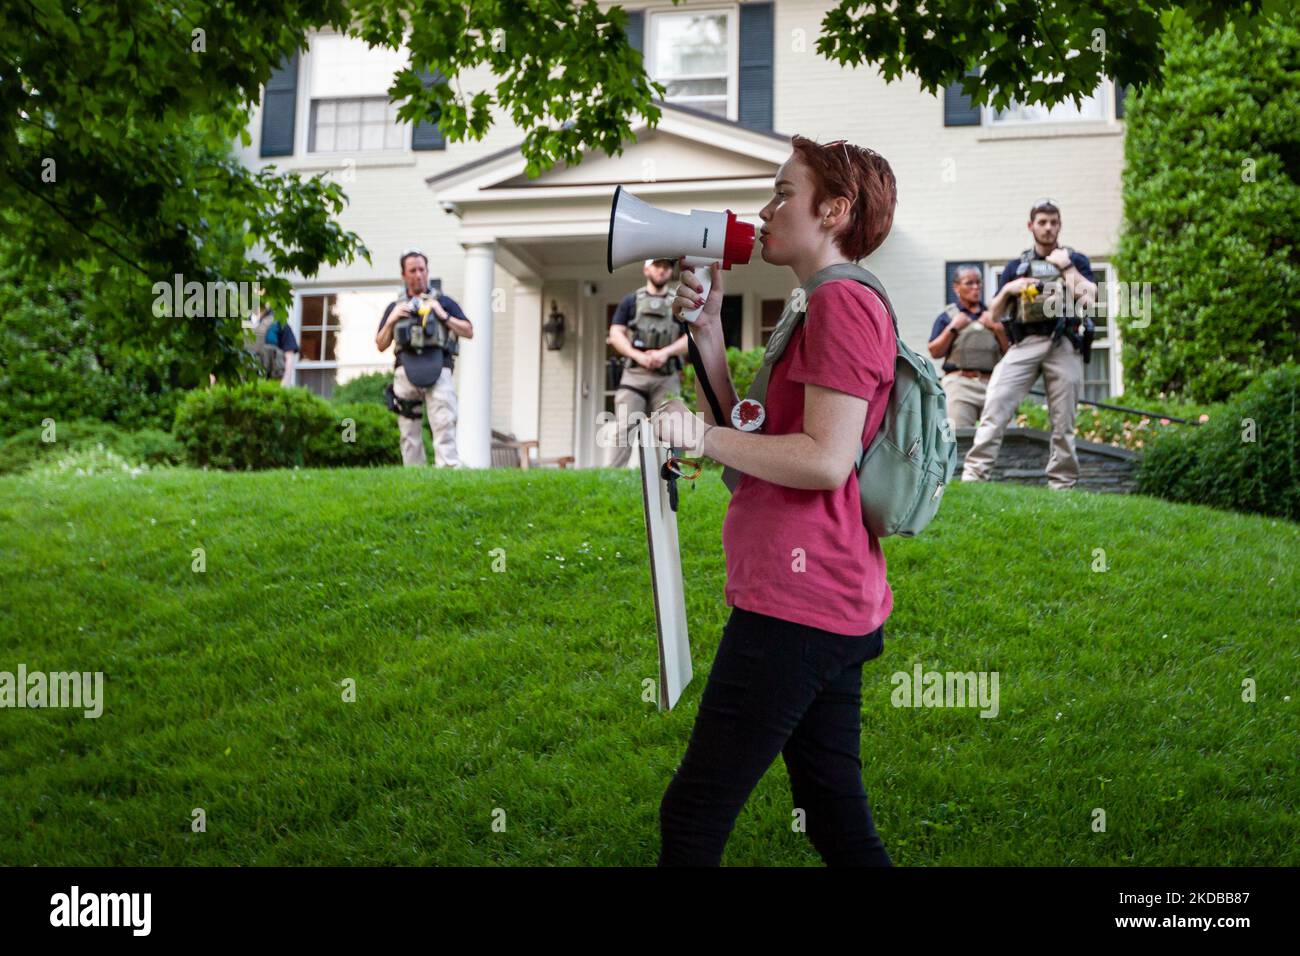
x=639 y=231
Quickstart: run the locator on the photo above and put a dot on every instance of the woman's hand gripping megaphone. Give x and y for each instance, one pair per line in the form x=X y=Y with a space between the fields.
x=699 y=294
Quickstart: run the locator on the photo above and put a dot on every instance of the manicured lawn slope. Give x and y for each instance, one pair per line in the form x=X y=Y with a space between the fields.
x=480 y=692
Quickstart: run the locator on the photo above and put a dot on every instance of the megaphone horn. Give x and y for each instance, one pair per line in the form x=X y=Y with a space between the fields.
x=638 y=230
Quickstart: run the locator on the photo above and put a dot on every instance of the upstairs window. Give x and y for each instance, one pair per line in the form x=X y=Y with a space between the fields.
x=694 y=55
x=350 y=109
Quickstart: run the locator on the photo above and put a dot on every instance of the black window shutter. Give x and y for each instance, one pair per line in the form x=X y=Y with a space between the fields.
x=279 y=109
x=426 y=135
x=636 y=29
x=756 y=55
x=1120 y=93
x=957 y=107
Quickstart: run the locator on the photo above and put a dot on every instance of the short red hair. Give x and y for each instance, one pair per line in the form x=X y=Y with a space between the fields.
x=860 y=175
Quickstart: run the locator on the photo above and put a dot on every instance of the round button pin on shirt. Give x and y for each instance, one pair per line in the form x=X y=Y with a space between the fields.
x=748 y=415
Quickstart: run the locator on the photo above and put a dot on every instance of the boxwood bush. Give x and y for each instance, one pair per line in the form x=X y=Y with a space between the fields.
x=364 y=388
x=360 y=434
x=253 y=425
x=1246 y=458
x=262 y=425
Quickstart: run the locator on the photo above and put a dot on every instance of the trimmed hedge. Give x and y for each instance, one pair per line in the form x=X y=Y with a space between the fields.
x=146 y=446
x=1217 y=464
x=364 y=388
x=361 y=434
x=262 y=425
x=1212 y=213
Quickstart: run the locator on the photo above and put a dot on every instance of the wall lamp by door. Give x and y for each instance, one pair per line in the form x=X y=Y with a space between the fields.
x=553 y=328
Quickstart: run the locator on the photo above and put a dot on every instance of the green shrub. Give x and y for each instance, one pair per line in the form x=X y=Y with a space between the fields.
x=1211 y=213
x=364 y=388
x=59 y=359
x=743 y=365
x=253 y=425
x=1218 y=465
x=146 y=446
x=361 y=434
x=261 y=425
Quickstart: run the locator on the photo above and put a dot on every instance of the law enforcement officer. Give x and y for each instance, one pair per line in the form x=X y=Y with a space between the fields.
x=970 y=342
x=1047 y=282
x=426 y=340
x=652 y=343
x=274 y=346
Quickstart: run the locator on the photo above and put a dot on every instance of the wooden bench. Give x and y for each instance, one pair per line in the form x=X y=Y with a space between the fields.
x=507 y=452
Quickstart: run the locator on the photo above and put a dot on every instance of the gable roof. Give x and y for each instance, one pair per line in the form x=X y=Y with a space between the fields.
x=687 y=146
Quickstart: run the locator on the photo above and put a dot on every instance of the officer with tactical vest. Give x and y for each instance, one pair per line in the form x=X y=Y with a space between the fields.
x=1043 y=298
x=652 y=342
x=970 y=343
x=425 y=326
x=273 y=345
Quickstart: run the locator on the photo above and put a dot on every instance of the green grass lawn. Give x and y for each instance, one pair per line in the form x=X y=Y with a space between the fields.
x=479 y=692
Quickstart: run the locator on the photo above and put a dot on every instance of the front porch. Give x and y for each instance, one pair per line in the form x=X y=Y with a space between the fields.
x=548 y=236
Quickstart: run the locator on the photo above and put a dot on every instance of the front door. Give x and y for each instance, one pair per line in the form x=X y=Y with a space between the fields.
x=594 y=394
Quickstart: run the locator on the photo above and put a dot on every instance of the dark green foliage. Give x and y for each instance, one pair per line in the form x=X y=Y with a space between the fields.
x=262 y=425
x=148 y=446
x=1030 y=52
x=1216 y=464
x=61 y=358
x=256 y=425
x=743 y=364
x=1212 y=212
x=372 y=429
x=364 y=388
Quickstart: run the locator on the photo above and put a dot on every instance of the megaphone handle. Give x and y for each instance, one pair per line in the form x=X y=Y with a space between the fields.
x=703 y=269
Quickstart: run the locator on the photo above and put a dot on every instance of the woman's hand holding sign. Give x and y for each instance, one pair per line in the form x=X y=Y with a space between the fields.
x=677 y=427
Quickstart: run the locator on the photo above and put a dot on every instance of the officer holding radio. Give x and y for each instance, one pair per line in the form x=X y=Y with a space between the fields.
x=651 y=342
x=425 y=327
x=1041 y=294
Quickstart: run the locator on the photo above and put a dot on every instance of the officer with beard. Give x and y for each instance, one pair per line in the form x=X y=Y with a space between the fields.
x=652 y=342
x=1047 y=282
x=425 y=327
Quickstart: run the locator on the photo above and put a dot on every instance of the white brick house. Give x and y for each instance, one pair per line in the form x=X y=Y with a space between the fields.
x=742 y=77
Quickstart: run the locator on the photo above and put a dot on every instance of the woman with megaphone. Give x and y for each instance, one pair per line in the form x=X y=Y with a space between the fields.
x=805 y=578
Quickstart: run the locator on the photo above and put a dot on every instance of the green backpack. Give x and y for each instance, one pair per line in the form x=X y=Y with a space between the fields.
x=903 y=472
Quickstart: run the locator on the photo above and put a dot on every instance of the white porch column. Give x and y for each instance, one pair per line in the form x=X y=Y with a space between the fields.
x=474 y=430
x=527 y=392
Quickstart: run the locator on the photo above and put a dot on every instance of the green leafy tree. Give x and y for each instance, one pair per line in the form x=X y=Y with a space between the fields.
x=1212 y=214
x=115 y=118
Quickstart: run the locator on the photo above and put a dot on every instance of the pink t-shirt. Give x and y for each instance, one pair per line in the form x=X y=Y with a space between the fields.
x=836 y=581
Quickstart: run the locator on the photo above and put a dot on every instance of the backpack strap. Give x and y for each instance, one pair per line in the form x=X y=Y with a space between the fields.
x=795 y=310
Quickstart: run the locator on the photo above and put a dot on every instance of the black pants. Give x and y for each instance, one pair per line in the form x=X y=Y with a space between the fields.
x=776 y=687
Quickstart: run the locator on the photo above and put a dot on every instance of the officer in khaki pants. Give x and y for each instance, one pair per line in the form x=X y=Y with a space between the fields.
x=652 y=342
x=426 y=344
x=1031 y=294
x=970 y=342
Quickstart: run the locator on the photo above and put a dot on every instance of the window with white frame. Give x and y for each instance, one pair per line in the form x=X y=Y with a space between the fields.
x=1095 y=107
x=694 y=55
x=350 y=109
